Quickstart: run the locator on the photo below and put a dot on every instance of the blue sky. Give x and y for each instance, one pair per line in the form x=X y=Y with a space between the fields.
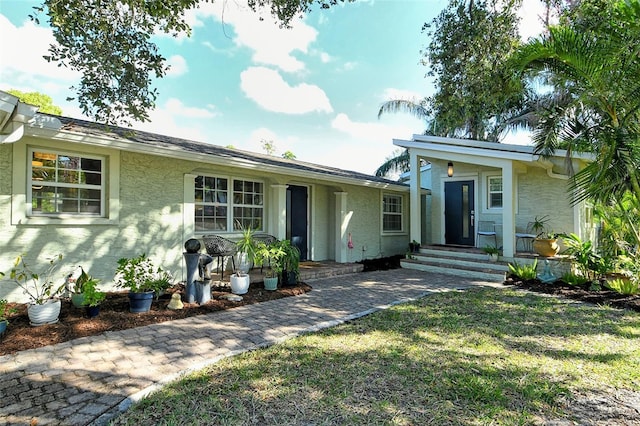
x=314 y=89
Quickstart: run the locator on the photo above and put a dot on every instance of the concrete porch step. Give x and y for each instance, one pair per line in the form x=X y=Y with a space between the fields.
x=469 y=263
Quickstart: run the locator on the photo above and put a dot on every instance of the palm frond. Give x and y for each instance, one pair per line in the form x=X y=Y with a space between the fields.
x=417 y=109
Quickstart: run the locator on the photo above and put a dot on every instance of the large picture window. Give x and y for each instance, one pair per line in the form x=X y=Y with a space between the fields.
x=66 y=184
x=494 y=192
x=227 y=205
x=392 y=213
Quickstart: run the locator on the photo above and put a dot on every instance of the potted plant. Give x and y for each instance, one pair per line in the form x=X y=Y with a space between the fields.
x=239 y=282
x=492 y=252
x=290 y=262
x=143 y=280
x=79 y=285
x=414 y=246
x=44 y=305
x=546 y=242
x=246 y=253
x=274 y=254
x=92 y=298
x=4 y=314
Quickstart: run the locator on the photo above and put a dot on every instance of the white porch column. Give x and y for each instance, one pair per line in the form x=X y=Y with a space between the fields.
x=508 y=210
x=278 y=212
x=188 y=216
x=342 y=224
x=188 y=207
x=415 y=213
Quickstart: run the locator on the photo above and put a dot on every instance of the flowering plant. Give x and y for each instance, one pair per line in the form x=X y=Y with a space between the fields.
x=139 y=275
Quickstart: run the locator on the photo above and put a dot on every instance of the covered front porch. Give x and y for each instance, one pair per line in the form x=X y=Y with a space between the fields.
x=475 y=182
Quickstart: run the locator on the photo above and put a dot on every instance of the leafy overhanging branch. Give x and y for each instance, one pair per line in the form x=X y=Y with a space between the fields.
x=109 y=43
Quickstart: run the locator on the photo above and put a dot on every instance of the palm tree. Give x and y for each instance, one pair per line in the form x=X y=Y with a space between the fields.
x=400 y=162
x=599 y=76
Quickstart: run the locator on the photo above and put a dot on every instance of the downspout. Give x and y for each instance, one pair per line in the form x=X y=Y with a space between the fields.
x=15 y=132
x=548 y=165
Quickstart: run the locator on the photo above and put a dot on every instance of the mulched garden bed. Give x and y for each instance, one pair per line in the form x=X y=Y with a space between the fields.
x=579 y=292
x=114 y=315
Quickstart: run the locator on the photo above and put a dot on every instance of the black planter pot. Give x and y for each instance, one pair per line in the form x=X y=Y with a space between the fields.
x=140 y=302
x=289 y=278
x=92 y=311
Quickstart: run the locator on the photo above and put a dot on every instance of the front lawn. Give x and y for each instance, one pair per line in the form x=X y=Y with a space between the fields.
x=482 y=356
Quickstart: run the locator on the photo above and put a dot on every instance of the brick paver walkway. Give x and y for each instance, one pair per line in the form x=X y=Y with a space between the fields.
x=92 y=379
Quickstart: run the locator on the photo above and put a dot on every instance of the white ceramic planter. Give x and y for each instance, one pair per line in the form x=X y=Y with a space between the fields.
x=47 y=313
x=240 y=285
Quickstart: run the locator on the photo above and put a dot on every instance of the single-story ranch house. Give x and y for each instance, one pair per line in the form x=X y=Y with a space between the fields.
x=96 y=194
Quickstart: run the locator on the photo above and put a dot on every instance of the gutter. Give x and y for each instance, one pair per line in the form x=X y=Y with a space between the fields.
x=175 y=152
x=13 y=117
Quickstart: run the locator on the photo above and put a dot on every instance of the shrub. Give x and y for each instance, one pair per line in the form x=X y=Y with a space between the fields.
x=573 y=279
x=625 y=287
x=524 y=272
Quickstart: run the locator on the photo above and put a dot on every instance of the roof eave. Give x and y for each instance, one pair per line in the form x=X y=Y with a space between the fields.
x=176 y=152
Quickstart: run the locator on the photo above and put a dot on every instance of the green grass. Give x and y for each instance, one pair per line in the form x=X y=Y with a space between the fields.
x=469 y=358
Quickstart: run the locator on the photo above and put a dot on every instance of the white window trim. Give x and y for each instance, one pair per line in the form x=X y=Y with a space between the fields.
x=103 y=185
x=485 y=192
x=403 y=214
x=20 y=207
x=230 y=204
x=488 y=192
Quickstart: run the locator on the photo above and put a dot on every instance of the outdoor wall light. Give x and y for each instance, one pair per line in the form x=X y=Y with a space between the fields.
x=450 y=169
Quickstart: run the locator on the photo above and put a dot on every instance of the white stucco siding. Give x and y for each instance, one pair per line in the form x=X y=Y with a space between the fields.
x=6 y=157
x=145 y=213
x=537 y=194
x=151 y=216
x=365 y=226
x=541 y=195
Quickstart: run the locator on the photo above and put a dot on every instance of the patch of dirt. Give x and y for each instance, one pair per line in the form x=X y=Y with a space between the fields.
x=114 y=315
x=579 y=292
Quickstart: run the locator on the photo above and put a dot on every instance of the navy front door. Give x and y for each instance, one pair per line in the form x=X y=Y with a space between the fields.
x=459 y=213
x=297 y=213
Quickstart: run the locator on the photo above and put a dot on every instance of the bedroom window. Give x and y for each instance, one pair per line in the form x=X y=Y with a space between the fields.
x=227 y=205
x=392 y=217
x=494 y=192
x=66 y=184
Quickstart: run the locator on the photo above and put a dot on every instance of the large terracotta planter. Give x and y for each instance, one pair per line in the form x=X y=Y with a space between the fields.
x=46 y=313
x=546 y=247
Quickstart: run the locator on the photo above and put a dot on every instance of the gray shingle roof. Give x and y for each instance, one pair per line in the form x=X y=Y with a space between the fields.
x=167 y=142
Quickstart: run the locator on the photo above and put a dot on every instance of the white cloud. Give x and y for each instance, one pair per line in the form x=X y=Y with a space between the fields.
x=191 y=125
x=22 y=65
x=325 y=57
x=176 y=107
x=271 y=45
x=269 y=90
x=371 y=131
x=349 y=66
x=177 y=66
